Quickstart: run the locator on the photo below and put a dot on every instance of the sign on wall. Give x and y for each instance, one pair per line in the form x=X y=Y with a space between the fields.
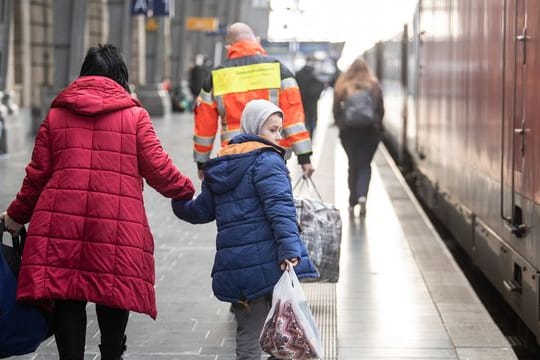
x=194 y=23
x=152 y=7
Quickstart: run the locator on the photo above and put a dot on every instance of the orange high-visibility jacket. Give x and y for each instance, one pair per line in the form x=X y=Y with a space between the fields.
x=248 y=73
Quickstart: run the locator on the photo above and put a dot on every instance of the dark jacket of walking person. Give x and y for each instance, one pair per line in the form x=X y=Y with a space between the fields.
x=248 y=73
x=197 y=75
x=247 y=191
x=311 y=88
x=359 y=144
x=89 y=238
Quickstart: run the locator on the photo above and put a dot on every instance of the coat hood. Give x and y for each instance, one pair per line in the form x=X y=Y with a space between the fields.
x=93 y=95
x=224 y=173
x=255 y=115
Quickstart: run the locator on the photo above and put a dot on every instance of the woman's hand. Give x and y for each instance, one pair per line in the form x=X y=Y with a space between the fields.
x=285 y=264
x=9 y=224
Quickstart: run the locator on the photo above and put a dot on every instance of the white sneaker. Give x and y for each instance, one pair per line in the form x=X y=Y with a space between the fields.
x=362 y=202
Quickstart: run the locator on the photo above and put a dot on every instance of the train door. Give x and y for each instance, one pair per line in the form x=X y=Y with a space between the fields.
x=518 y=167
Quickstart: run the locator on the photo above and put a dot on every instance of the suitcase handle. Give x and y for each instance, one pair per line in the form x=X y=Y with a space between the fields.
x=18 y=239
x=308 y=182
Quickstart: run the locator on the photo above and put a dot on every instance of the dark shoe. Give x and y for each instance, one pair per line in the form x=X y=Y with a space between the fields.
x=110 y=353
x=113 y=352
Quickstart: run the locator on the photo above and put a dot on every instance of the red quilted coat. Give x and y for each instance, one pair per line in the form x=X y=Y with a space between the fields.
x=88 y=237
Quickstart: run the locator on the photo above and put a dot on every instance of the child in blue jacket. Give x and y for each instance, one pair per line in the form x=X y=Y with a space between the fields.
x=247 y=190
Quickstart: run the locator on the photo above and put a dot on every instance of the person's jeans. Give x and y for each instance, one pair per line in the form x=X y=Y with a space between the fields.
x=69 y=325
x=360 y=149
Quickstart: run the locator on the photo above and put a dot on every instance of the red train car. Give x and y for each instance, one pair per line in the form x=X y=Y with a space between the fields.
x=460 y=88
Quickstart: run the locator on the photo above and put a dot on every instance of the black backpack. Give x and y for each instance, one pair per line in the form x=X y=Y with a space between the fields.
x=359 y=110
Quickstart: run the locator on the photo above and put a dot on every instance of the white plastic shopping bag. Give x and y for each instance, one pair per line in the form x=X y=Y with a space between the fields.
x=290 y=331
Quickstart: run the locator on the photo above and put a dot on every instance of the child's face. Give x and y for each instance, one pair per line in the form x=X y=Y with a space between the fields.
x=271 y=129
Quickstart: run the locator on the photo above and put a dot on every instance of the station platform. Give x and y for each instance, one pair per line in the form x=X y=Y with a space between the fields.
x=400 y=294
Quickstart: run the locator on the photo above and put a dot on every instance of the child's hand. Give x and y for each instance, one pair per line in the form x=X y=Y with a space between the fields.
x=285 y=264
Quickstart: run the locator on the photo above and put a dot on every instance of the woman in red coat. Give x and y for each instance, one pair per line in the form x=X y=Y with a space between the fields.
x=88 y=238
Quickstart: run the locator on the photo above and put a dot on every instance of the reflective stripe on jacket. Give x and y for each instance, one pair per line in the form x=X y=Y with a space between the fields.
x=247 y=74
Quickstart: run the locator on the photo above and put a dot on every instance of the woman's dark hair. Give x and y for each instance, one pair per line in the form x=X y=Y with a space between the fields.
x=105 y=60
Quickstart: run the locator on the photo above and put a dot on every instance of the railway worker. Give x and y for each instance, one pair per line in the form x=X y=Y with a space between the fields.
x=359 y=143
x=88 y=239
x=248 y=73
x=198 y=74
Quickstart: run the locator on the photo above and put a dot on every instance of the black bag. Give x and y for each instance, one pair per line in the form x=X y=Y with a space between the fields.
x=359 y=110
x=22 y=326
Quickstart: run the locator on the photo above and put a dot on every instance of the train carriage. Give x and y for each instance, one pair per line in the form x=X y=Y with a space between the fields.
x=460 y=88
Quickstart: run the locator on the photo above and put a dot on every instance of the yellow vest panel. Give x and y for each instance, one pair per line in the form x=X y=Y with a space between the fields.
x=245 y=78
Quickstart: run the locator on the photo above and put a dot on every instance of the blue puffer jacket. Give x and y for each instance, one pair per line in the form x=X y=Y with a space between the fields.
x=247 y=190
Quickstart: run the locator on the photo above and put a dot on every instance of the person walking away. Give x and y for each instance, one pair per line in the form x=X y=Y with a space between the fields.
x=247 y=191
x=311 y=88
x=248 y=73
x=359 y=143
x=88 y=238
x=197 y=75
